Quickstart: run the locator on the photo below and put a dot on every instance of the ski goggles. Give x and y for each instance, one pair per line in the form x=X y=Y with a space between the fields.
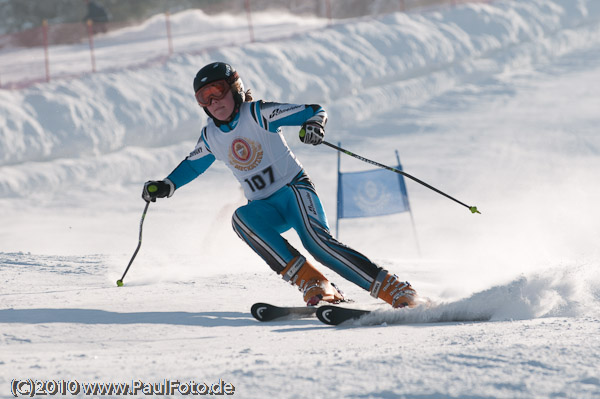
x=212 y=91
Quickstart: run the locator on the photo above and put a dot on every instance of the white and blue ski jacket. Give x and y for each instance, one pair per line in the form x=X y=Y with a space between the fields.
x=252 y=146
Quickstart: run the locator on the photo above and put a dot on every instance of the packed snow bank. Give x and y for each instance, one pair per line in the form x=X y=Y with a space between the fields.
x=365 y=66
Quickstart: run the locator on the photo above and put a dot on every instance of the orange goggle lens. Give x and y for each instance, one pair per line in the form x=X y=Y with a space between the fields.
x=212 y=91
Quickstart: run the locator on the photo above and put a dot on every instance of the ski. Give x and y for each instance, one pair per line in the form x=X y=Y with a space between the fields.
x=267 y=312
x=334 y=315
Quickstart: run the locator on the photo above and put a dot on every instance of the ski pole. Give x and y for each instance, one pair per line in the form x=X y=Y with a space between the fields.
x=473 y=209
x=120 y=281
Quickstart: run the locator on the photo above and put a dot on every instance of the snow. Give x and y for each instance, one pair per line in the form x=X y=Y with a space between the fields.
x=495 y=104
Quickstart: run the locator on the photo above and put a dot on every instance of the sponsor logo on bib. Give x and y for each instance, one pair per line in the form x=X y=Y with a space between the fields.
x=245 y=154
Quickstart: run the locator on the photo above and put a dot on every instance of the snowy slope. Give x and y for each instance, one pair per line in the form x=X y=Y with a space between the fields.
x=495 y=104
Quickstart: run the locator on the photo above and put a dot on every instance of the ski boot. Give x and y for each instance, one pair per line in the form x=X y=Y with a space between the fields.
x=314 y=286
x=397 y=293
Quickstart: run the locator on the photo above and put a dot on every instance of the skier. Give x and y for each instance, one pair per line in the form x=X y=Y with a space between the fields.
x=246 y=135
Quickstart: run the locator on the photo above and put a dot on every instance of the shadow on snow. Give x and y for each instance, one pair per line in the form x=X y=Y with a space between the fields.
x=94 y=316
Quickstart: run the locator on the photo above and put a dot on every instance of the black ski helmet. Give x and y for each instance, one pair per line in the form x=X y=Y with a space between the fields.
x=221 y=71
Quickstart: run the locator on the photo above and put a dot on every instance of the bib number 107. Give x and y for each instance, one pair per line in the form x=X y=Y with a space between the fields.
x=257 y=182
